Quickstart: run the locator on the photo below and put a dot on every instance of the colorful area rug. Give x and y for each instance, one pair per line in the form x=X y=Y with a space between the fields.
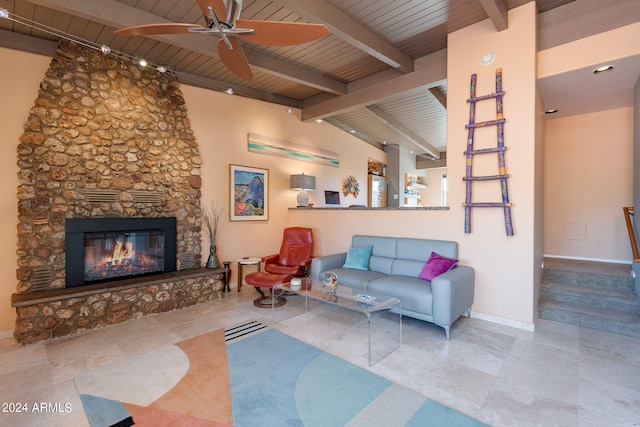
x=251 y=375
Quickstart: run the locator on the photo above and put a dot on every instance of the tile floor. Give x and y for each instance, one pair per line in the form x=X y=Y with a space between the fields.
x=560 y=375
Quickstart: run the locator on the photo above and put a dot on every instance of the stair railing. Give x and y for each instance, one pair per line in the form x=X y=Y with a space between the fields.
x=628 y=216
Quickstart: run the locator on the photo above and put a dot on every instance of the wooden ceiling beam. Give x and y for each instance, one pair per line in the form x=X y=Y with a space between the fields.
x=422 y=162
x=247 y=92
x=438 y=96
x=117 y=15
x=415 y=139
x=17 y=41
x=353 y=32
x=498 y=13
x=430 y=71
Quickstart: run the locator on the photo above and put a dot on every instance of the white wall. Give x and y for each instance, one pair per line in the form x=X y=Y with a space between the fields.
x=20 y=75
x=588 y=180
x=432 y=195
x=221 y=123
x=505 y=280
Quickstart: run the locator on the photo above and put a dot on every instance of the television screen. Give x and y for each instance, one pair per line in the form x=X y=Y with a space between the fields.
x=331 y=198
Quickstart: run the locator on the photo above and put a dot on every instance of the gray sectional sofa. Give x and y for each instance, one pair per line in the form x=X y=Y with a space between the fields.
x=393 y=270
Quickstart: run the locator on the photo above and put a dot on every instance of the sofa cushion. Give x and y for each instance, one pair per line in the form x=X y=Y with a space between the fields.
x=436 y=265
x=419 y=249
x=356 y=279
x=406 y=267
x=382 y=246
x=358 y=257
x=413 y=293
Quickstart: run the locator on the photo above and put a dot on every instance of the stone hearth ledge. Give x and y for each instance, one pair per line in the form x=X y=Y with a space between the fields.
x=55 y=313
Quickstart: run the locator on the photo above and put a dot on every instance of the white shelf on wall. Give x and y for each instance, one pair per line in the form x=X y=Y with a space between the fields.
x=412 y=187
x=417 y=186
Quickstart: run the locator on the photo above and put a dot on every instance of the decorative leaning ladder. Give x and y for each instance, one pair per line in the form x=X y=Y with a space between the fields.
x=500 y=149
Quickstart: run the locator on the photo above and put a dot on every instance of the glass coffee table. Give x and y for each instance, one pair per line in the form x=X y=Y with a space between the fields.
x=345 y=298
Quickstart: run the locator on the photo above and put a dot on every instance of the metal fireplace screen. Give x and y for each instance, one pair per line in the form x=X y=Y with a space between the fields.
x=131 y=253
x=99 y=250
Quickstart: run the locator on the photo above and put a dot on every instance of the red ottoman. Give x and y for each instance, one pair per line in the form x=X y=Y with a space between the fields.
x=261 y=279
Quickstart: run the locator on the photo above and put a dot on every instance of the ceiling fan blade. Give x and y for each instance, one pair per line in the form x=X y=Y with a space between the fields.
x=218 y=6
x=234 y=59
x=148 y=29
x=273 y=33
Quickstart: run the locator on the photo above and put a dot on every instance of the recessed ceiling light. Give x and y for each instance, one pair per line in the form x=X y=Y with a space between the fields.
x=106 y=50
x=229 y=91
x=4 y=13
x=319 y=121
x=143 y=62
x=551 y=111
x=352 y=131
x=603 y=69
x=289 y=110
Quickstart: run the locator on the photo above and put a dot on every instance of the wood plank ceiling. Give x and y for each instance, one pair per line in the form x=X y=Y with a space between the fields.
x=380 y=74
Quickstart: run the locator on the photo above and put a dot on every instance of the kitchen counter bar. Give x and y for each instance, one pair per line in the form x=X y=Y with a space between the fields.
x=345 y=208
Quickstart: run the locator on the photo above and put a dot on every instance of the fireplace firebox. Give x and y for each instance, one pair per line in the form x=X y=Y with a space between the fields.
x=106 y=249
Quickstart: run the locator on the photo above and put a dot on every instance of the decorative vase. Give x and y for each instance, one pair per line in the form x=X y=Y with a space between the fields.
x=213 y=262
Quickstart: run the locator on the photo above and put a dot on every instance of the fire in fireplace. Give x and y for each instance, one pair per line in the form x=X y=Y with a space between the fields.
x=105 y=249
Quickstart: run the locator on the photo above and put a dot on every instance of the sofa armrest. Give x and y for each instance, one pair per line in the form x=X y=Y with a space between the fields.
x=323 y=263
x=452 y=294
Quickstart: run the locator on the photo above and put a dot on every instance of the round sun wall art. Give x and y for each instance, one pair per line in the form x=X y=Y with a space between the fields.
x=351 y=186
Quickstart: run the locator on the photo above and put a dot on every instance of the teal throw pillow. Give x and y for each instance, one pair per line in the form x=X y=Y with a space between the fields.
x=358 y=257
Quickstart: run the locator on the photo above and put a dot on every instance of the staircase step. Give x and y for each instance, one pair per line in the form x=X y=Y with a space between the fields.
x=618 y=280
x=606 y=298
x=590 y=317
x=590 y=294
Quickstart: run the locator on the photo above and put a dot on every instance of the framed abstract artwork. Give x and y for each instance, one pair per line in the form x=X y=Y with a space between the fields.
x=249 y=193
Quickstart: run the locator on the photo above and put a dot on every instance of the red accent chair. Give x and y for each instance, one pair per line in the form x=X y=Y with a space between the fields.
x=294 y=259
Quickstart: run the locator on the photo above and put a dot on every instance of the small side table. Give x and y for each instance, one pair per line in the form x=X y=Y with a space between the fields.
x=246 y=261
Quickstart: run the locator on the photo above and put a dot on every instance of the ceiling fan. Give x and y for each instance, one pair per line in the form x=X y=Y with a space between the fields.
x=222 y=20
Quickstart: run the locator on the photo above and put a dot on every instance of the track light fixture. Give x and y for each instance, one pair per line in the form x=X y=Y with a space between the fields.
x=103 y=48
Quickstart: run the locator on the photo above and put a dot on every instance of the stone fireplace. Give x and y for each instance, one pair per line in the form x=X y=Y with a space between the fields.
x=105 y=141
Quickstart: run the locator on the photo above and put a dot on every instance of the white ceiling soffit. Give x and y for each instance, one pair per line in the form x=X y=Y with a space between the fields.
x=581 y=91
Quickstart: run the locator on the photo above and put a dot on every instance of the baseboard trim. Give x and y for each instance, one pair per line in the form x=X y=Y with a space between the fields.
x=577 y=258
x=531 y=327
x=6 y=334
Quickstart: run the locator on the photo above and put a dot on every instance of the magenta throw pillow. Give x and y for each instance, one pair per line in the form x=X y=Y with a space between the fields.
x=436 y=265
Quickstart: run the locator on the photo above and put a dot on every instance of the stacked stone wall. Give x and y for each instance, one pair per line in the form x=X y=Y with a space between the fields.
x=114 y=128
x=57 y=317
